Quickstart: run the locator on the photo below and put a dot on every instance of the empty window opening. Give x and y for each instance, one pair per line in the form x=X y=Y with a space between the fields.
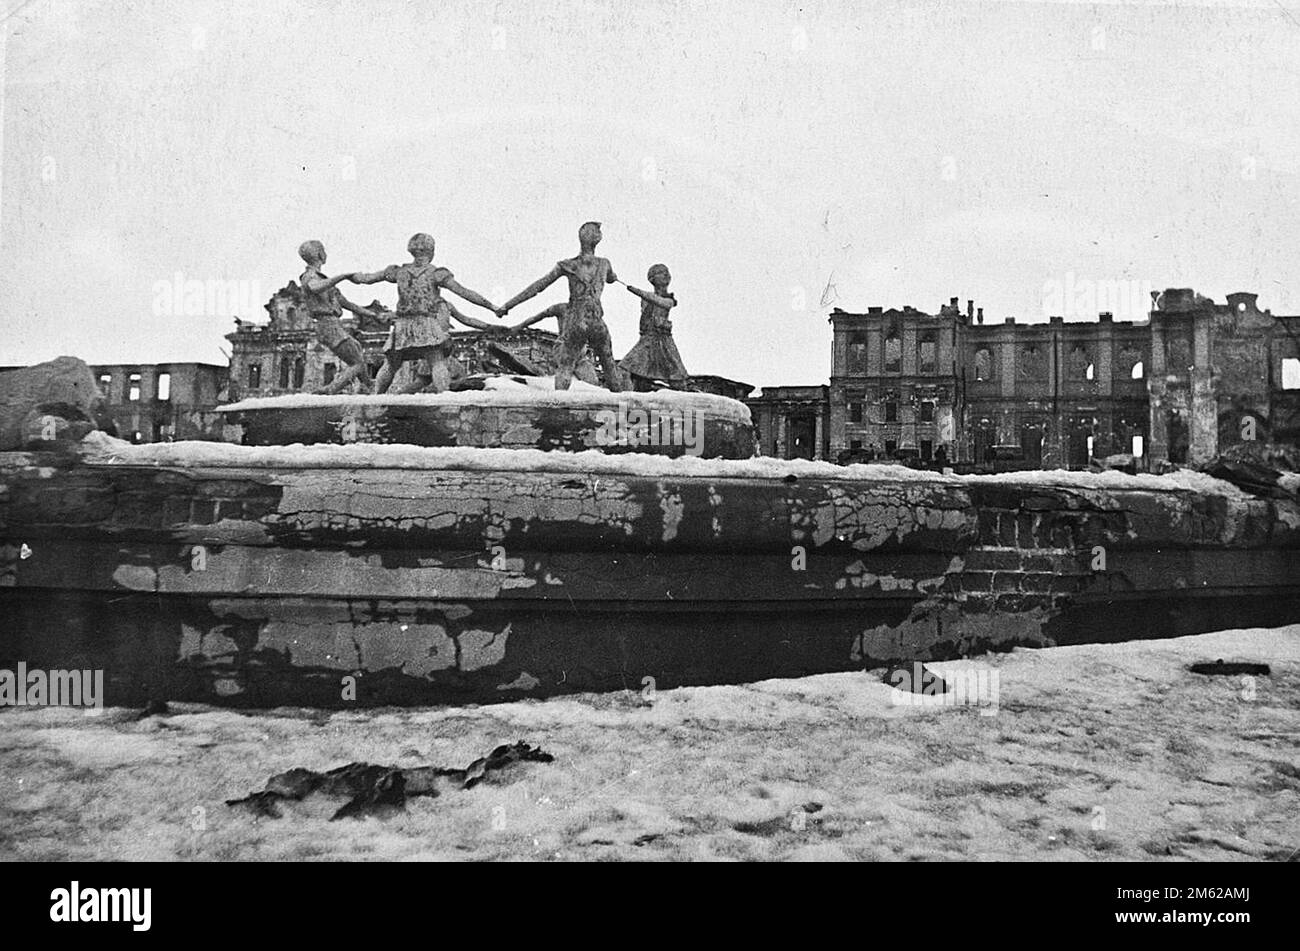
x=893 y=355
x=857 y=353
x=1291 y=373
x=927 y=353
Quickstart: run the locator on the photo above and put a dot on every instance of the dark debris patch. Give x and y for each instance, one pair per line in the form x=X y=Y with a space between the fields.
x=914 y=677
x=365 y=789
x=1220 y=668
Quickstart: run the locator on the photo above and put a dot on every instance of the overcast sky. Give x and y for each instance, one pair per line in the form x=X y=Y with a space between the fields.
x=775 y=155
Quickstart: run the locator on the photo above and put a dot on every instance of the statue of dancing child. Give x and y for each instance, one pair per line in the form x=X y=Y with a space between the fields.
x=655 y=355
x=422 y=325
x=325 y=303
x=585 y=323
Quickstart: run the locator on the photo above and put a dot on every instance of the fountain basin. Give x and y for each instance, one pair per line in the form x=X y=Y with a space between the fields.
x=510 y=413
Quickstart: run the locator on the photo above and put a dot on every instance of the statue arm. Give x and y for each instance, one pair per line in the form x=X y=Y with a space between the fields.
x=474 y=297
x=471 y=321
x=652 y=297
x=532 y=290
x=355 y=308
x=319 y=284
x=555 y=310
x=375 y=277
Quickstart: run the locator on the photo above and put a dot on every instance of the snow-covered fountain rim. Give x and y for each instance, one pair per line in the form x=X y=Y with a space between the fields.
x=536 y=393
x=102 y=449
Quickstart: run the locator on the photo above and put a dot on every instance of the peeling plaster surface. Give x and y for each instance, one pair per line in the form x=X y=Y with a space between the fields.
x=312 y=573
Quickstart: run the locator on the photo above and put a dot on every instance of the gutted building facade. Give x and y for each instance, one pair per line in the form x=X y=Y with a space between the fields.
x=1193 y=379
x=163 y=402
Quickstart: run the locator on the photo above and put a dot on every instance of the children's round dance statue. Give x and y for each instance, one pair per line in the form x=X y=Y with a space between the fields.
x=422 y=325
x=655 y=355
x=585 y=323
x=420 y=330
x=325 y=304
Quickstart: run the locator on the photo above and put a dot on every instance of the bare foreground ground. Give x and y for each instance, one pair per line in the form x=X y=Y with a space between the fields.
x=1094 y=752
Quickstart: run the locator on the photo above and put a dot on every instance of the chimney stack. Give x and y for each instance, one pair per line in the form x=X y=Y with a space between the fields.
x=979 y=315
x=970 y=309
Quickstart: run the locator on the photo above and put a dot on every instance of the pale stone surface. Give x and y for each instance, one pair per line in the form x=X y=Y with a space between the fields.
x=61 y=390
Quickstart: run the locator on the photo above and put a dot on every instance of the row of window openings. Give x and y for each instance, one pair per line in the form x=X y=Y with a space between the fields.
x=926 y=358
x=133 y=386
x=891 y=412
x=290 y=370
x=984 y=370
x=926 y=447
x=1138 y=444
x=1290 y=372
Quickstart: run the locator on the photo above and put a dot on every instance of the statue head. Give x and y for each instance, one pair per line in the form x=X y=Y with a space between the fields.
x=420 y=245
x=658 y=275
x=589 y=234
x=313 y=252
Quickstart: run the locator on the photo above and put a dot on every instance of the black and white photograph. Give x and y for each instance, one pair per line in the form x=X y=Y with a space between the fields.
x=582 y=431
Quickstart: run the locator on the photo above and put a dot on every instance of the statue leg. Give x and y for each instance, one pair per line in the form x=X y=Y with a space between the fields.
x=385 y=379
x=350 y=353
x=569 y=355
x=439 y=370
x=604 y=350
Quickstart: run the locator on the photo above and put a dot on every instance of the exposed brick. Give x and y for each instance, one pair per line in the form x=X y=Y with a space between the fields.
x=1006 y=581
x=1025 y=531
x=1007 y=529
x=1038 y=582
x=986 y=560
x=175 y=511
x=988 y=527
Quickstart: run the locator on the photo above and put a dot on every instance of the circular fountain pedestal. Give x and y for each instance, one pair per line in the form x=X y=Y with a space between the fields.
x=509 y=413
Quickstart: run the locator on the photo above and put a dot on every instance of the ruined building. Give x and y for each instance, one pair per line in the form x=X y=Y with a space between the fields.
x=163 y=402
x=1193 y=379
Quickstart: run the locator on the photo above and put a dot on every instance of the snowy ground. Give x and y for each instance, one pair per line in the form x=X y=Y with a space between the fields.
x=1095 y=752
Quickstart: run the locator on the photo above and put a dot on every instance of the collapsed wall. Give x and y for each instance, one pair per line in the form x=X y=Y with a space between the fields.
x=248 y=581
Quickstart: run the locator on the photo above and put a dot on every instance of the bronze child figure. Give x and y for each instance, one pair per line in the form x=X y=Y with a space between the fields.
x=586 y=368
x=325 y=304
x=422 y=325
x=655 y=355
x=585 y=321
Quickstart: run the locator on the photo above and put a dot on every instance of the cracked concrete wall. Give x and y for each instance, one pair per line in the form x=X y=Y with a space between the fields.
x=426 y=586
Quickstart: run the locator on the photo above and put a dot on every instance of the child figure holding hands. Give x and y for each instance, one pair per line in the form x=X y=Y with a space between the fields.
x=655 y=355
